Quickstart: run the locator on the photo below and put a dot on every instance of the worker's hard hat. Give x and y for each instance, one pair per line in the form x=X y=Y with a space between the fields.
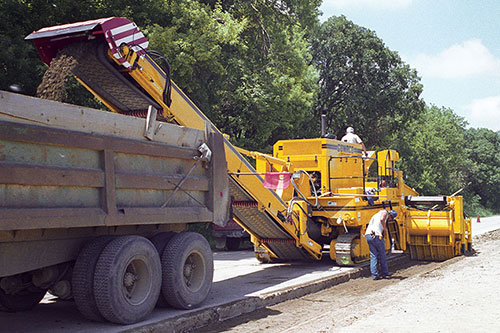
x=349 y=130
x=393 y=213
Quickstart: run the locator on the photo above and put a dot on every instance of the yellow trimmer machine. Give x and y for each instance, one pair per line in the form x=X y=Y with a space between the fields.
x=335 y=191
x=310 y=198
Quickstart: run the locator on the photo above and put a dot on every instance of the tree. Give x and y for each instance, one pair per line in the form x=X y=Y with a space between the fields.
x=268 y=87
x=245 y=63
x=19 y=61
x=193 y=40
x=432 y=152
x=363 y=83
x=482 y=148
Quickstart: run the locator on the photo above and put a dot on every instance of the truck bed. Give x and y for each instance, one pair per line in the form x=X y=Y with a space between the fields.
x=68 y=173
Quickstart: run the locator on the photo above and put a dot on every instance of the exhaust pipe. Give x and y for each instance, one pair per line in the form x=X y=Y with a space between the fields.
x=323 y=125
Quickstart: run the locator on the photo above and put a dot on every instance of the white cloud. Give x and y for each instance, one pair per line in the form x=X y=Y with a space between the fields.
x=381 y=4
x=485 y=112
x=471 y=58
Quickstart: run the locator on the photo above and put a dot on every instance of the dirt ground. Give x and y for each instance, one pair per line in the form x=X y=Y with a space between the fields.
x=459 y=295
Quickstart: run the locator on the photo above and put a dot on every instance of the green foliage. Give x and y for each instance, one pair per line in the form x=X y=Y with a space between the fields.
x=245 y=63
x=270 y=90
x=482 y=149
x=473 y=206
x=19 y=62
x=193 y=42
x=439 y=156
x=432 y=152
x=363 y=83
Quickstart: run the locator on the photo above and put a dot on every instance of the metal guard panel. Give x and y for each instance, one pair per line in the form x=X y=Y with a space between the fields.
x=46 y=33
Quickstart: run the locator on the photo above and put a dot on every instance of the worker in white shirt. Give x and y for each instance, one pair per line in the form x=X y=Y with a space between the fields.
x=374 y=234
x=350 y=137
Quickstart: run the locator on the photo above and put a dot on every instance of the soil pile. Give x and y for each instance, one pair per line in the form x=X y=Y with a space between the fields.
x=53 y=85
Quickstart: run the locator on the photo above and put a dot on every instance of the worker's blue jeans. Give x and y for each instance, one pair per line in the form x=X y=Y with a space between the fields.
x=377 y=252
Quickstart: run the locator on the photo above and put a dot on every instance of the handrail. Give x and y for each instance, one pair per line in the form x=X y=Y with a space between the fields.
x=363 y=159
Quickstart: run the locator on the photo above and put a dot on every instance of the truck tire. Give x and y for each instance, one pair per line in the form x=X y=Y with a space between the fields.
x=127 y=279
x=187 y=270
x=21 y=301
x=82 y=282
x=232 y=243
x=160 y=241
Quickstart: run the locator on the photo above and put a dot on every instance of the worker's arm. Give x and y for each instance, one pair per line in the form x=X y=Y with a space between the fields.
x=364 y=149
x=359 y=141
x=384 y=218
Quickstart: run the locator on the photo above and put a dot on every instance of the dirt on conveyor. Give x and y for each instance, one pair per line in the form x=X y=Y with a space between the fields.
x=53 y=85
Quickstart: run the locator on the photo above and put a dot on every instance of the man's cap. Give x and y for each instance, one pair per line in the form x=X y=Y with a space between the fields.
x=349 y=130
x=393 y=213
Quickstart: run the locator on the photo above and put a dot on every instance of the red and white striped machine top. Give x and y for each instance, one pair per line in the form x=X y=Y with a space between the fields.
x=115 y=30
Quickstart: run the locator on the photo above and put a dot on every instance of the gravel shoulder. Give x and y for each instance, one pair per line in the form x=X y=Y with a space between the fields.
x=460 y=294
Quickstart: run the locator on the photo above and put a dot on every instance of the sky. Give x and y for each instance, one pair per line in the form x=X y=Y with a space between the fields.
x=453 y=44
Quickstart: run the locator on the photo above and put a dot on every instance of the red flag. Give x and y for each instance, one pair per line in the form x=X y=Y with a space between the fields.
x=277 y=180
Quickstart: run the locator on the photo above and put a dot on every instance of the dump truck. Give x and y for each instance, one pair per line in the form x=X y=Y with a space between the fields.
x=88 y=204
x=95 y=204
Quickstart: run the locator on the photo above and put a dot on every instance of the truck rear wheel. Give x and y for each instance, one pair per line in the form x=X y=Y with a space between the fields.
x=20 y=301
x=187 y=270
x=127 y=279
x=160 y=241
x=83 y=277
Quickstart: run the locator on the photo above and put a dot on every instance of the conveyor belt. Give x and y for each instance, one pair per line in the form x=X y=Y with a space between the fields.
x=263 y=225
x=95 y=69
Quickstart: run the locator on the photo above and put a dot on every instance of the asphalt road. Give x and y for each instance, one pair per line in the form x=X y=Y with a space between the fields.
x=238 y=276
